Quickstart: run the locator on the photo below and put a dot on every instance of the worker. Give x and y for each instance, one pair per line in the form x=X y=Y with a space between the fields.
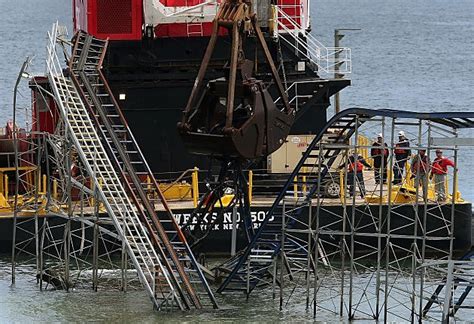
x=420 y=165
x=356 y=163
x=379 y=154
x=402 y=153
x=439 y=170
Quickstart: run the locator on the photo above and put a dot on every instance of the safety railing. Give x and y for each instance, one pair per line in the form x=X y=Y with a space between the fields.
x=402 y=192
x=297 y=10
x=326 y=59
x=295 y=98
x=185 y=186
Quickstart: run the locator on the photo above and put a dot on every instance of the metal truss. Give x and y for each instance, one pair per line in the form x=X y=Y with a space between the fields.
x=60 y=227
x=390 y=255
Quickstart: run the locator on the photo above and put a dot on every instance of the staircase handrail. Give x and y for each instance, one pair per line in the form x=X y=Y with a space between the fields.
x=327 y=59
x=363 y=114
x=294 y=85
x=165 y=240
x=54 y=70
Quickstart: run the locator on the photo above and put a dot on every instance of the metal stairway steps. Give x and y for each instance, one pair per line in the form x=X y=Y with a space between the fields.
x=127 y=157
x=313 y=165
x=145 y=255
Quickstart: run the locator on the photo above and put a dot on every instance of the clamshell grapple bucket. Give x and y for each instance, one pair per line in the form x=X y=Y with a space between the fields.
x=235 y=116
x=258 y=128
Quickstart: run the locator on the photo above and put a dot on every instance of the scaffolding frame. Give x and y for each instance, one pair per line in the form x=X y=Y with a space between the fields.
x=60 y=227
x=370 y=260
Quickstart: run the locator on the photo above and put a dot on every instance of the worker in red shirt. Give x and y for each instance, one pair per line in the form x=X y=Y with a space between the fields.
x=439 y=169
x=356 y=164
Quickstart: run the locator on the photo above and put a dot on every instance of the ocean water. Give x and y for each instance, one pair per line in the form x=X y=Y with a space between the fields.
x=23 y=30
x=410 y=55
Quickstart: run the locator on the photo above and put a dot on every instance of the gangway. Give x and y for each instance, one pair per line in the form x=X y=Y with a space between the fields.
x=162 y=277
x=85 y=65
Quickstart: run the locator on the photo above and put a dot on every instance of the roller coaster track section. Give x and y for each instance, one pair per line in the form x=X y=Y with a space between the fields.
x=327 y=60
x=256 y=261
x=85 y=66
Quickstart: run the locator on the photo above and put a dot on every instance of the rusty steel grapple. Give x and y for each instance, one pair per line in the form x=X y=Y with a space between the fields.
x=235 y=116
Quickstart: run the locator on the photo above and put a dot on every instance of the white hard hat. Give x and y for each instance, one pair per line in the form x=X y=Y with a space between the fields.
x=401 y=133
x=380 y=135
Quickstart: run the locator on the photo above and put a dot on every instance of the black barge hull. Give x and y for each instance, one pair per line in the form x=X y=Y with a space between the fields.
x=218 y=242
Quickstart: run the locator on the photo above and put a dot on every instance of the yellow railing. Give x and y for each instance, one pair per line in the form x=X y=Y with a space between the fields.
x=303 y=178
x=195 y=186
x=250 y=186
x=304 y=186
x=6 y=187
x=55 y=189
x=295 y=187
x=299 y=187
x=92 y=199
x=342 y=187
x=364 y=143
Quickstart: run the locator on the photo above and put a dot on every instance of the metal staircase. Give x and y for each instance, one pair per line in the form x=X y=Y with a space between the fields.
x=141 y=250
x=255 y=264
x=85 y=65
x=159 y=266
x=326 y=60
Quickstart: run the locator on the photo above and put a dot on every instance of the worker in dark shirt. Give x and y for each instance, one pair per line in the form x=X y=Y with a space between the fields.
x=379 y=153
x=356 y=164
x=402 y=154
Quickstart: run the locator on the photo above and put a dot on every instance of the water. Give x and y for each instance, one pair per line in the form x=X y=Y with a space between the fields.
x=409 y=55
x=116 y=306
x=84 y=305
x=412 y=55
x=23 y=28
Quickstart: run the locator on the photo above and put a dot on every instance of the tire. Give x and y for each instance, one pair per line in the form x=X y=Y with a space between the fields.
x=332 y=189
